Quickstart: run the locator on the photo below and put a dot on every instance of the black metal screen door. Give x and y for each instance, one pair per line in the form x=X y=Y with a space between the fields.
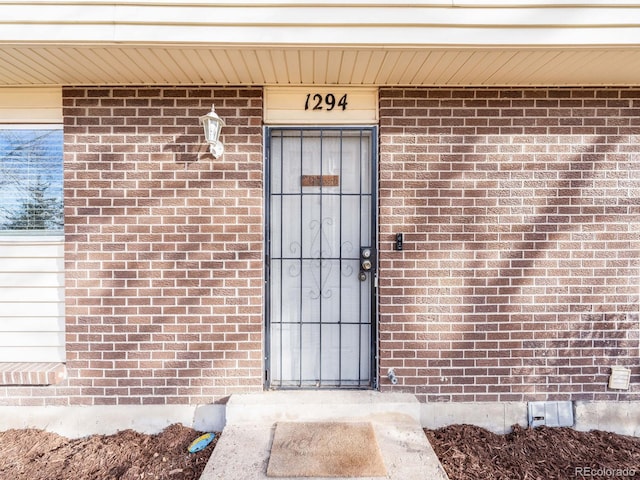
x=321 y=257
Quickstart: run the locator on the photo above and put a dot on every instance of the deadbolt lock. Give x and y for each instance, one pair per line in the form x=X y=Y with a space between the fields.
x=366 y=262
x=366 y=259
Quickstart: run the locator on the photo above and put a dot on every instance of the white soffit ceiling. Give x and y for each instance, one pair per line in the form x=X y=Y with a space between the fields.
x=436 y=42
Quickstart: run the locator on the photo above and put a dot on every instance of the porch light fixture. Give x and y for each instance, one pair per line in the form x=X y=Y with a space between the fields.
x=212 y=124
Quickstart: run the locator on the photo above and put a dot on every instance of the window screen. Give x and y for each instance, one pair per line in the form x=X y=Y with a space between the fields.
x=31 y=185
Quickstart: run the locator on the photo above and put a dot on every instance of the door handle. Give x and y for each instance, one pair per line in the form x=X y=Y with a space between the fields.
x=366 y=262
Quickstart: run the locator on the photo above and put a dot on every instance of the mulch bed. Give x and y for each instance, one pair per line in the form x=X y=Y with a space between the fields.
x=472 y=453
x=128 y=455
x=466 y=452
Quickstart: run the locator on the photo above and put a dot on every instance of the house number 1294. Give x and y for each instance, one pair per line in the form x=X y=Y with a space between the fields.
x=327 y=102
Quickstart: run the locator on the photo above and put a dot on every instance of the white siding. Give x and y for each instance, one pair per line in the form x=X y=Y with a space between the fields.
x=32 y=299
x=31 y=105
x=421 y=23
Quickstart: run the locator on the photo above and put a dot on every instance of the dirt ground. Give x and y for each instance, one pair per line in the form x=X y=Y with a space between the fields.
x=471 y=453
x=466 y=452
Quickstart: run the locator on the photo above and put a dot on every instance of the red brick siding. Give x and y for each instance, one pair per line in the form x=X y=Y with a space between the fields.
x=164 y=248
x=521 y=213
x=519 y=279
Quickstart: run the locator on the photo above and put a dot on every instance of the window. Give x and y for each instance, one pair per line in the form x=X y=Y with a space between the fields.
x=31 y=180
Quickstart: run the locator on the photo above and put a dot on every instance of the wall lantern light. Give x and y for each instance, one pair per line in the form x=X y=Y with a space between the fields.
x=212 y=124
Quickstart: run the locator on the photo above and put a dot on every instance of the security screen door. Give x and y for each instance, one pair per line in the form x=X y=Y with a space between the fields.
x=321 y=258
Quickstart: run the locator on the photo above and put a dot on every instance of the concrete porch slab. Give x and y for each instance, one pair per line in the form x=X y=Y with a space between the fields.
x=318 y=405
x=242 y=452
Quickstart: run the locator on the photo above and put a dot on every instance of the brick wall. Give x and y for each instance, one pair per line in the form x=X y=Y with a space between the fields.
x=519 y=279
x=521 y=213
x=163 y=248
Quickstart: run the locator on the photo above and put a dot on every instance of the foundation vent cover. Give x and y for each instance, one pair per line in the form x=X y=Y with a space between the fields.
x=550 y=414
x=619 y=378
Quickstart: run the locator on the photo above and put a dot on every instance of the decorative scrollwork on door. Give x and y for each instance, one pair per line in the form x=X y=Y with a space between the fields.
x=322 y=272
x=320 y=243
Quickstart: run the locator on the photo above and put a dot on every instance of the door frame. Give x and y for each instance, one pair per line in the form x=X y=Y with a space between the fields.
x=374 y=346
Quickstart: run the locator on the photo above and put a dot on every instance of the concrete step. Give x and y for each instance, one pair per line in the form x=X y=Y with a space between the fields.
x=309 y=406
x=243 y=450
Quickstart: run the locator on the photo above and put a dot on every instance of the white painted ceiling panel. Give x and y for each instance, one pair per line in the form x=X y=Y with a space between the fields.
x=347 y=64
x=79 y=65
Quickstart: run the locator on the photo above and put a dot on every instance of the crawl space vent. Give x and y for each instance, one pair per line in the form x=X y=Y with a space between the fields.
x=550 y=414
